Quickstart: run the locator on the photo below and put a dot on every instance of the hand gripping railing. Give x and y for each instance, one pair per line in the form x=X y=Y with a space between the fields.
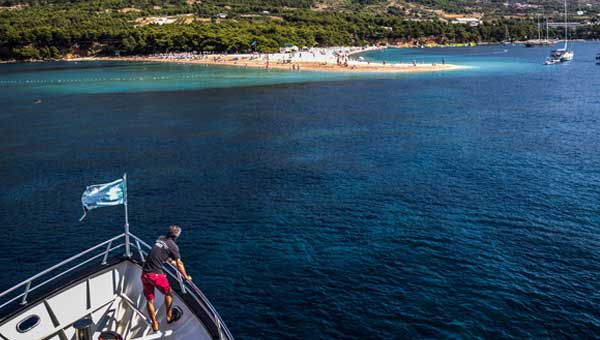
x=77 y=261
x=224 y=334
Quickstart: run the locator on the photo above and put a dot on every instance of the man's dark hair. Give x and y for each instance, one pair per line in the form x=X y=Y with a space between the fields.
x=174 y=231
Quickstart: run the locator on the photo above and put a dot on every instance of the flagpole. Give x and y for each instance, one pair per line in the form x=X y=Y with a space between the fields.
x=127 y=250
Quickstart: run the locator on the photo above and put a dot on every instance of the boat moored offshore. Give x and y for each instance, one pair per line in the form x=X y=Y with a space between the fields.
x=562 y=55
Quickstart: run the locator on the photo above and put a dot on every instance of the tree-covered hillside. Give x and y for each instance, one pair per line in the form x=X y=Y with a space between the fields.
x=34 y=29
x=488 y=7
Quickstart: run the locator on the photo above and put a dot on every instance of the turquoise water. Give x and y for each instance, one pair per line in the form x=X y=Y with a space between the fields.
x=106 y=77
x=457 y=205
x=496 y=59
x=103 y=77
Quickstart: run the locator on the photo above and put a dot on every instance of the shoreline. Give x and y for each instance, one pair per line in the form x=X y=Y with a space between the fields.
x=334 y=59
x=296 y=66
x=350 y=66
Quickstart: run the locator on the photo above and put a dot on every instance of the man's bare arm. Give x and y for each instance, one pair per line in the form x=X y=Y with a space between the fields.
x=181 y=268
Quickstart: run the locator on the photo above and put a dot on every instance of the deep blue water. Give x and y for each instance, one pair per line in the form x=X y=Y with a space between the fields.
x=460 y=205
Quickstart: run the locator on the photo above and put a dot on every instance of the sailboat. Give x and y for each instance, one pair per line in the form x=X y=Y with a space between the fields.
x=562 y=55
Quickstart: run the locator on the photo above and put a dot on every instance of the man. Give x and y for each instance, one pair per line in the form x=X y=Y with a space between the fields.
x=164 y=249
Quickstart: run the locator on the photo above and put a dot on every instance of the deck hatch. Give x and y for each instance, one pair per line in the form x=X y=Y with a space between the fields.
x=28 y=323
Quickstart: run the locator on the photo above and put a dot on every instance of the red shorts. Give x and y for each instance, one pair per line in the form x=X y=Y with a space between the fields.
x=152 y=280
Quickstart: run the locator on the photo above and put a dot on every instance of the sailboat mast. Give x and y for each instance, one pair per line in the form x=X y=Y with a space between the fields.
x=566 y=26
x=539 y=29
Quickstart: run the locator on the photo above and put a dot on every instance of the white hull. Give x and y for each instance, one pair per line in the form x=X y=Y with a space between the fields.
x=116 y=303
x=568 y=56
x=562 y=55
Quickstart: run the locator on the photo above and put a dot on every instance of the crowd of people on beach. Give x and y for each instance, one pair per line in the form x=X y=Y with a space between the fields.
x=323 y=57
x=307 y=54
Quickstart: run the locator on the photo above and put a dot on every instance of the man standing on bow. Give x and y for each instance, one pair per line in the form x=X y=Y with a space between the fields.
x=164 y=249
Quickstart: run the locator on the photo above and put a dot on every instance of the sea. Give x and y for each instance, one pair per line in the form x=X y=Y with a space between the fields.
x=449 y=205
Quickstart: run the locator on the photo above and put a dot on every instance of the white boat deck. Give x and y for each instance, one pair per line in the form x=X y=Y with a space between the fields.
x=103 y=286
x=114 y=301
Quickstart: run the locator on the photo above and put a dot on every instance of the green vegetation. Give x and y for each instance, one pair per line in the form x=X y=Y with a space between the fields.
x=42 y=29
x=510 y=7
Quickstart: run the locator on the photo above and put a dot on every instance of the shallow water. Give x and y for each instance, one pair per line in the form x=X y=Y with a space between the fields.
x=451 y=205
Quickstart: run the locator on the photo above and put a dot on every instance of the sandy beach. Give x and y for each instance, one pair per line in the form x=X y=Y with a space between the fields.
x=335 y=59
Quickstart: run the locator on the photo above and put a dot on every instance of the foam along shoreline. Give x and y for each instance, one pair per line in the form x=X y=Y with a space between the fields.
x=316 y=59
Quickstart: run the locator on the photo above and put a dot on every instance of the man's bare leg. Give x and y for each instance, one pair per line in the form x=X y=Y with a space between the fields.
x=168 y=303
x=152 y=312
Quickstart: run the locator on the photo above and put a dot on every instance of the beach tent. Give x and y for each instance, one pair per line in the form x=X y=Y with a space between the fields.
x=289 y=48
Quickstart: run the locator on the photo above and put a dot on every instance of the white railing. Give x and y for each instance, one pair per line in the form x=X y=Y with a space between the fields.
x=102 y=250
x=27 y=284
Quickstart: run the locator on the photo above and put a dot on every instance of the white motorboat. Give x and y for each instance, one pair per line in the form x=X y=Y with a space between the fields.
x=551 y=61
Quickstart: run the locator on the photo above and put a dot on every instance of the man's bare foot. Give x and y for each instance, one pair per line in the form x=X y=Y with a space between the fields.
x=155 y=326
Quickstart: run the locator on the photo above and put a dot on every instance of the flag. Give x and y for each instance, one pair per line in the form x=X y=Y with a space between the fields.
x=103 y=195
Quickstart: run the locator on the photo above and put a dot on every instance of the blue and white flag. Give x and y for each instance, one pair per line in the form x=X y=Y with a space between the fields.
x=103 y=195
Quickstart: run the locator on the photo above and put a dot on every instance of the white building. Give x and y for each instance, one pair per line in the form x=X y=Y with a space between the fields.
x=469 y=21
x=163 y=20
